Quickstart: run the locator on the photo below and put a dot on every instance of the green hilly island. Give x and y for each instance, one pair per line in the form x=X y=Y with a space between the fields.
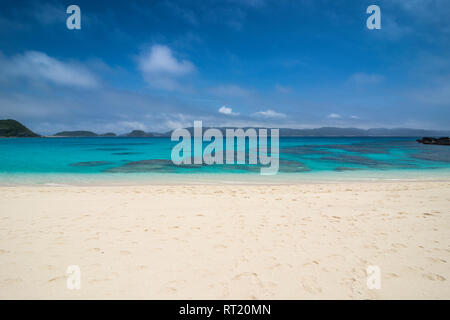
x=11 y=128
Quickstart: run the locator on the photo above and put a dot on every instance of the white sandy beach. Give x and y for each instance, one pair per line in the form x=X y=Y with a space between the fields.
x=301 y=241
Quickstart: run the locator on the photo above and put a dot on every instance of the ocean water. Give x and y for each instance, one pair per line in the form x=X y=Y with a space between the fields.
x=144 y=160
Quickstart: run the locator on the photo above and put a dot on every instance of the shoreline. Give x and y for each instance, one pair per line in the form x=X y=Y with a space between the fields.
x=224 y=183
x=139 y=179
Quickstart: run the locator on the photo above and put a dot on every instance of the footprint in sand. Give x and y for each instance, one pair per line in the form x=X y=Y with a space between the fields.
x=12 y=281
x=142 y=267
x=168 y=290
x=310 y=285
x=433 y=277
x=171 y=286
x=398 y=245
x=251 y=275
x=281 y=266
x=437 y=260
x=58 y=278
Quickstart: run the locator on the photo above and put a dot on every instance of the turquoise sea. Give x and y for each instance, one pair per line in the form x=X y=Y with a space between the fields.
x=121 y=160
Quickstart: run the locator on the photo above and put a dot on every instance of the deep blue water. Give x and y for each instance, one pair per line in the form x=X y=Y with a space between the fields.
x=119 y=157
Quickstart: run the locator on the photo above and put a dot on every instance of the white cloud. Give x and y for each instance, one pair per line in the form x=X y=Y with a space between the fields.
x=48 y=13
x=366 y=78
x=428 y=10
x=131 y=125
x=160 y=59
x=227 y=111
x=354 y=117
x=282 y=89
x=161 y=69
x=334 y=116
x=269 y=114
x=38 y=66
x=393 y=30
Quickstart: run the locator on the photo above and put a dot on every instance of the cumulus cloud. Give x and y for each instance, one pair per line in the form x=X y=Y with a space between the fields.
x=334 y=116
x=161 y=69
x=38 y=66
x=227 y=111
x=269 y=114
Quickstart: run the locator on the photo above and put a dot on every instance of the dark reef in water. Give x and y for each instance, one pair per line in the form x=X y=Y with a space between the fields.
x=341 y=169
x=359 y=148
x=371 y=163
x=292 y=166
x=90 y=164
x=125 y=153
x=111 y=149
x=304 y=150
x=153 y=165
x=441 y=155
x=167 y=166
x=14 y=129
x=358 y=160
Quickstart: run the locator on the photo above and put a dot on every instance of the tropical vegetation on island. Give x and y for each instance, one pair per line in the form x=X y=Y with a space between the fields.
x=12 y=128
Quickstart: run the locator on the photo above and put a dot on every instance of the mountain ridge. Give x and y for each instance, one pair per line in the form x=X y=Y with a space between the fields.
x=13 y=128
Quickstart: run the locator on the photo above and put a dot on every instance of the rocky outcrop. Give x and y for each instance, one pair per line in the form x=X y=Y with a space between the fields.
x=12 y=128
x=444 y=141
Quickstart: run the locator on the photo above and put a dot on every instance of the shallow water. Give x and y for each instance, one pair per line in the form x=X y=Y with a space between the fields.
x=59 y=160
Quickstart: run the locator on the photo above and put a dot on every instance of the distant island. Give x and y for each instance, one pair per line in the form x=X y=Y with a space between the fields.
x=75 y=134
x=348 y=132
x=13 y=128
x=82 y=134
x=284 y=132
x=139 y=133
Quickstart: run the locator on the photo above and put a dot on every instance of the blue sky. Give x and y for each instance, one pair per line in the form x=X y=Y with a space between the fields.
x=159 y=65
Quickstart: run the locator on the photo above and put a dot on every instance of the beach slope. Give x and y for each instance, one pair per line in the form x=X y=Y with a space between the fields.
x=300 y=241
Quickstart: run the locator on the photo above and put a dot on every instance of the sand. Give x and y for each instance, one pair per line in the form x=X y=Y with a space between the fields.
x=302 y=241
